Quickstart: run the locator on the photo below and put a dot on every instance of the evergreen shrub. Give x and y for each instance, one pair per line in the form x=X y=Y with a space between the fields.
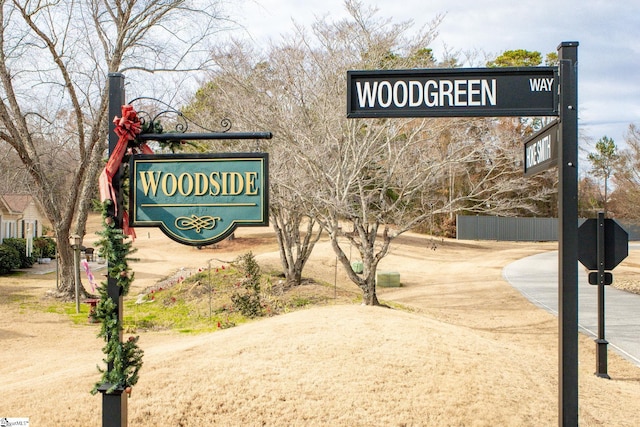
x=9 y=259
x=20 y=245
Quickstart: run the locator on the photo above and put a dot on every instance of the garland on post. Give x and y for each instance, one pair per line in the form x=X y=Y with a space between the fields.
x=126 y=356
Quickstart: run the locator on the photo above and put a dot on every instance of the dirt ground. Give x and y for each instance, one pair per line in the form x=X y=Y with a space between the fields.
x=468 y=351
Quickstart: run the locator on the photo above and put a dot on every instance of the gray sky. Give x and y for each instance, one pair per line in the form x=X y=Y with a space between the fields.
x=608 y=32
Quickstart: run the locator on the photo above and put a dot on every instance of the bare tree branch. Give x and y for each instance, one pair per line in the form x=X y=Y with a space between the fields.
x=55 y=56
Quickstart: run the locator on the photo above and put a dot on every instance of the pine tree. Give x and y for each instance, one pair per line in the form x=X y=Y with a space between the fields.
x=603 y=162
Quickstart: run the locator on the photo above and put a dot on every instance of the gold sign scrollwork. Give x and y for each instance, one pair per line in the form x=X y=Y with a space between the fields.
x=198 y=223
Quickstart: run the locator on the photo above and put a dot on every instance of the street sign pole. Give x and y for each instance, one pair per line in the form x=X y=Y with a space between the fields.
x=568 y=236
x=601 y=342
x=611 y=243
x=495 y=92
x=115 y=405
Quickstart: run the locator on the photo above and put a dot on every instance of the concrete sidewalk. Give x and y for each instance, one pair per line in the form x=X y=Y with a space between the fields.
x=536 y=277
x=51 y=267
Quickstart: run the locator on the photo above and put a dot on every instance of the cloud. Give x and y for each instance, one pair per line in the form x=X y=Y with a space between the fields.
x=607 y=31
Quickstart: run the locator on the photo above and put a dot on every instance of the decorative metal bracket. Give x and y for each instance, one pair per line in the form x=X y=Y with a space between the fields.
x=152 y=129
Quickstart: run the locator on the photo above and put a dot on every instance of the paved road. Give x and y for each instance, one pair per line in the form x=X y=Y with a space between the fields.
x=536 y=277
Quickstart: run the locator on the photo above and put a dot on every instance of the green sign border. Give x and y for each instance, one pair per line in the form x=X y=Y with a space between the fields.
x=159 y=159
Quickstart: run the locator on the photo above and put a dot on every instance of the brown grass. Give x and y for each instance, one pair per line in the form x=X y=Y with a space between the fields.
x=467 y=350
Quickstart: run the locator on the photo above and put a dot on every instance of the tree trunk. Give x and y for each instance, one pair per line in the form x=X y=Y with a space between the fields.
x=369 y=296
x=89 y=190
x=85 y=203
x=294 y=277
x=65 y=260
x=295 y=250
x=66 y=286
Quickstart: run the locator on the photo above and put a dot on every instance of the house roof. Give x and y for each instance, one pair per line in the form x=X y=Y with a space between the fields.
x=16 y=203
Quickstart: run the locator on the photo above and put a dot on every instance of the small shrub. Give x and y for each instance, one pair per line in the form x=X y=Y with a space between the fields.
x=247 y=297
x=20 y=245
x=9 y=259
x=44 y=247
x=300 y=302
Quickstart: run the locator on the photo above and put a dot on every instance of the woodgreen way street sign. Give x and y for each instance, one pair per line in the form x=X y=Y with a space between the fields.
x=199 y=199
x=457 y=92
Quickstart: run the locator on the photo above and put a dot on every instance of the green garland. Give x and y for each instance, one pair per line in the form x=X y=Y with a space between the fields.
x=126 y=357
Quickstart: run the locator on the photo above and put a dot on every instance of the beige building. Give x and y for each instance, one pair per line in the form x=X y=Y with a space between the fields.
x=20 y=216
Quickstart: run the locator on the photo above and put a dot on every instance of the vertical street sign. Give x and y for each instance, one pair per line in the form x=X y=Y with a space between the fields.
x=541 y=150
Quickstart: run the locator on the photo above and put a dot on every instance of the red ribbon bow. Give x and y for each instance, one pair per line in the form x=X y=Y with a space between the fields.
x=127 y=128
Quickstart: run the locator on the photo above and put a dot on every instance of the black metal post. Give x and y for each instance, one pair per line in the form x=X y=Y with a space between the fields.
x=114 y=405
x=568 y=236
x=601 y=342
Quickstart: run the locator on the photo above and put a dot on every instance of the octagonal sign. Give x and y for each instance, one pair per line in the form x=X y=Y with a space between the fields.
x=616 y=244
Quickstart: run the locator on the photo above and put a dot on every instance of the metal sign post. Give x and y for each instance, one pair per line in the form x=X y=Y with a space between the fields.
x=493 y=92
x=254 y=183
x=568 y=236
x=603 y=245
x=601 y=342
x=114 y=405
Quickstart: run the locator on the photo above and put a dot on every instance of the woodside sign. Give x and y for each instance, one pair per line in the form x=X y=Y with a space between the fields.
x=199 y=199
x=457 y=92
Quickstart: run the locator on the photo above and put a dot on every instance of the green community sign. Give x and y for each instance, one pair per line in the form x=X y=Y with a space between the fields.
x=199 y=199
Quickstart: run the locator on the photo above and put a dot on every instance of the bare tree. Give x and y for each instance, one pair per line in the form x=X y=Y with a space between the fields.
x=377 y=178
x=625 y=198
x=486 y=166
x=364 y=181
x=54 y=60
x=371 y=178
x=256 y=92
x=371 y=185
x=297 y=232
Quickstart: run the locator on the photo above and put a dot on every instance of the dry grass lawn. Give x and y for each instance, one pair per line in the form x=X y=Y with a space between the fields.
x=467 y=350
